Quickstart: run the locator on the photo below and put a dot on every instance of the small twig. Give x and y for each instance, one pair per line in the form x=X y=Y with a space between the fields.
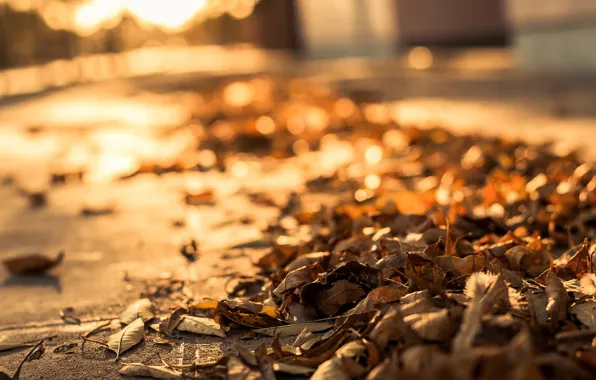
x=85 y=339
x=86 y=336
x=18 y=372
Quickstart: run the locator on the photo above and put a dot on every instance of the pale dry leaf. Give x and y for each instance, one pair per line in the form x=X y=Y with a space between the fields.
x=436 y=326
x=13 y=346
x=155 y=372
x=588 y=284
x=470 y=326
x=292 y=369
x=585 y=312
x=295 y=329
x=126 y=338
x=142 y=308
x=557 y=299
x=491 y=291
x=33 y=264
x=237 y=370
x=200 y=325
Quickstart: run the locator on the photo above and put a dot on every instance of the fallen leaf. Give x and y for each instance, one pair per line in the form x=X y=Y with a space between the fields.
x=200 y=325
x=142 y=308
x=163 y=341
x=171 y=322
x=457 y=266
x=34 y=264
x=377 y=296
x=155 y=372
x=557 y=299
x=129 y=336
x=295 y=329
x=435 y=326
x=292 y=369
x=298 y=277
x=424 y=273
x=588 y=284
x=237 y=370
x=491 y=291
x=206 y=197
x=585 y=312
x=342 y=294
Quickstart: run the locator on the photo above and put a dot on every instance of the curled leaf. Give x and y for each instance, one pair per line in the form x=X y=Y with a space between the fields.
x=142 y=308
x=557 y=299
x=126 y=338
x=33 y=264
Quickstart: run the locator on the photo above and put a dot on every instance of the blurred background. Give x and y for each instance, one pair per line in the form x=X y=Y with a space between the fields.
x=58 y=42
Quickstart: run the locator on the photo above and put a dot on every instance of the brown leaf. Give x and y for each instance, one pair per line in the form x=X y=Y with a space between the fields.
x=491 y=291
x=342 y=294
x=295 y=329
x=435 y=326
x=171 y=322
x=424 y=273
x=380 y=295
x=298 y=277
x=206 y=197
x=34 y=264
x=537 y=302
x=557 y=299
x=456 y=266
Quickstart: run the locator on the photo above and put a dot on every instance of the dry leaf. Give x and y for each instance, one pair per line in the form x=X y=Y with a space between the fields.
x=557 y=299
x=206 y=197
x=585 y=312
x=424 y=273
x=126 y=338
x=237 y=370
x=537 y=302
x=435 y=326
x=297 y=278
x=33 y=264
x=295 y=329
x=457 y=266
x=377 y=296
x=171 y=322
x=200 y=325
x=343 y=293
x=491 y=291
x=292 y=369
x=588 y=284
x=155 y=372
x=142 y=308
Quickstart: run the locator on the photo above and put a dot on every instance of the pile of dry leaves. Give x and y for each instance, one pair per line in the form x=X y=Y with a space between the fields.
x=464 y=257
